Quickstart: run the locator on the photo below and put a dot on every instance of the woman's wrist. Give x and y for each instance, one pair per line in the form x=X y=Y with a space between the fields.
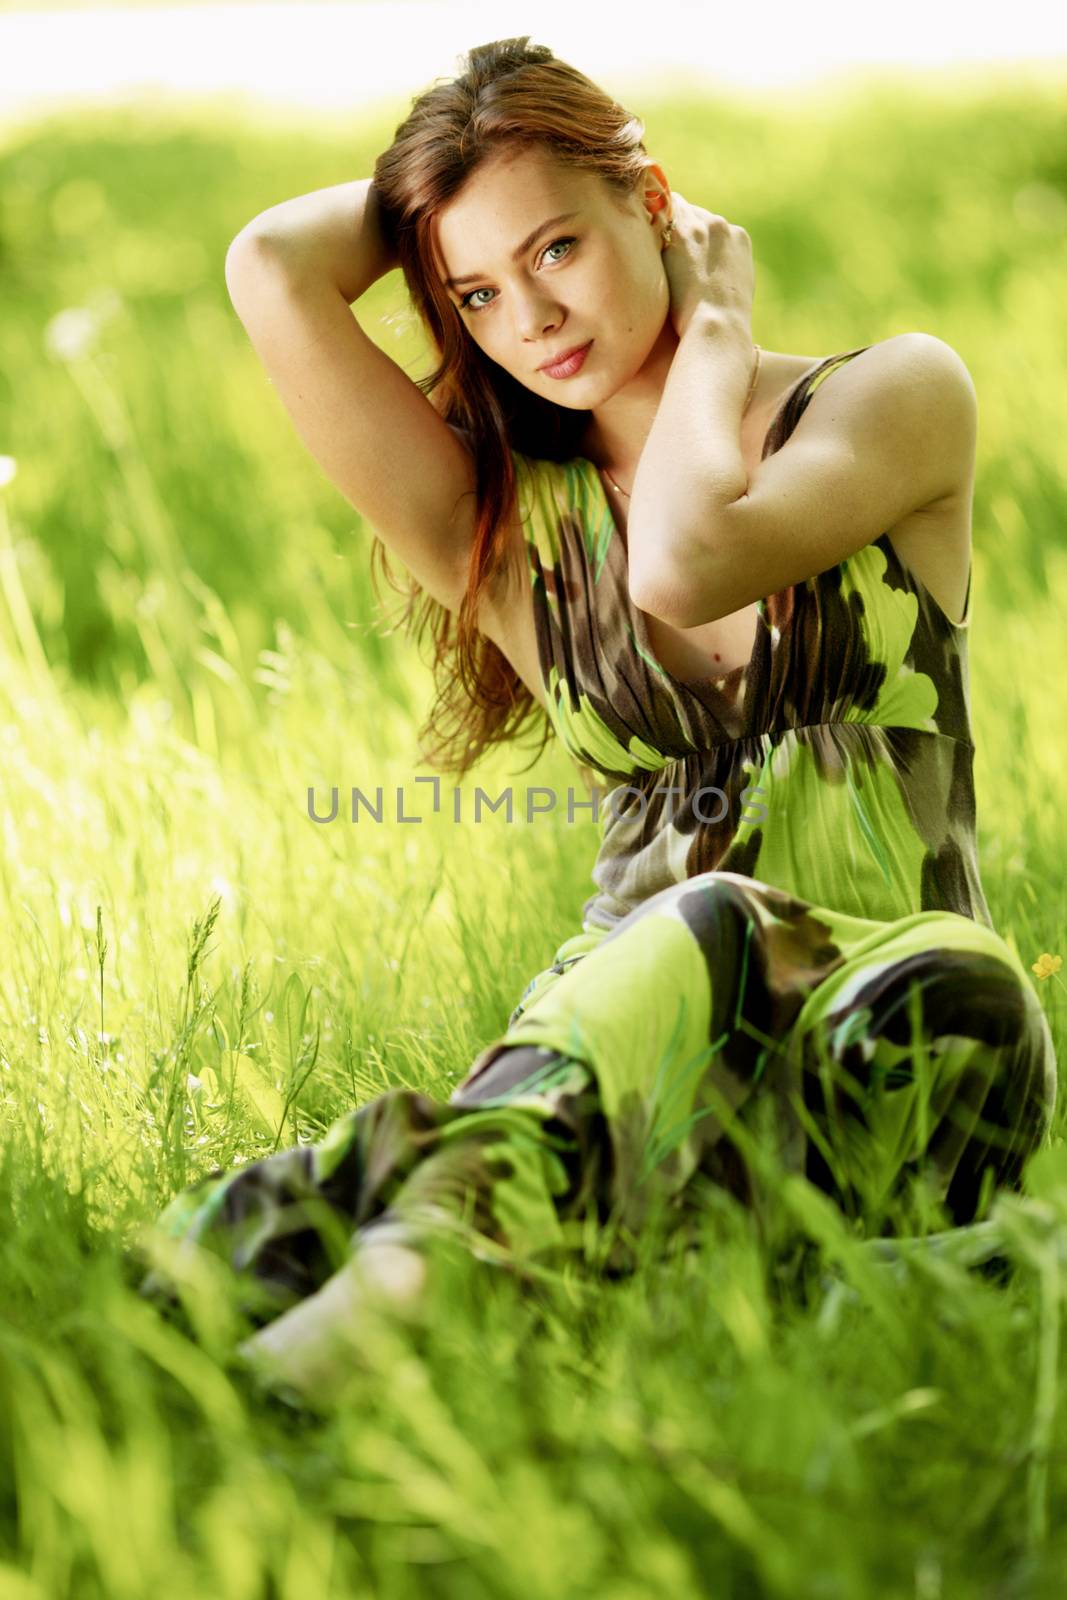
x=706 y=317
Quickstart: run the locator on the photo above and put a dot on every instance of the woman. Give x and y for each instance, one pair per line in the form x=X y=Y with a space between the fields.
x=728 y=579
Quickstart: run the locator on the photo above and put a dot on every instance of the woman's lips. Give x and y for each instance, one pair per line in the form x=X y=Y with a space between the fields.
x=567 y=369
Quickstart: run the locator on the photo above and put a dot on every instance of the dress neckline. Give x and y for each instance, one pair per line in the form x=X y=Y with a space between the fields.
x=636 y=617
x=711 y=680
x=716 y=681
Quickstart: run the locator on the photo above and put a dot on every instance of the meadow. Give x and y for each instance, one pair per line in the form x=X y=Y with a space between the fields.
x=194 y=974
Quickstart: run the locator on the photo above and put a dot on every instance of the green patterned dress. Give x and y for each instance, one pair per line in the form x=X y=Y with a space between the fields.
x=787 y=966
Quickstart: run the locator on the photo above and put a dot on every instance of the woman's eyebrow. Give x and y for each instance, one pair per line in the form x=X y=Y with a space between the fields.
x=530 y=240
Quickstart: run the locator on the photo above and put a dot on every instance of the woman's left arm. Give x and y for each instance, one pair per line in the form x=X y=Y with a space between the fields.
x=893 y=432
x=691 y=468
x=691 y=461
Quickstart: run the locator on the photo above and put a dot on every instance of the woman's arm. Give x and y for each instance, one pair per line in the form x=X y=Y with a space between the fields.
x=292 y=275
x=890 y=433
x=691 y=468
x=331 y=235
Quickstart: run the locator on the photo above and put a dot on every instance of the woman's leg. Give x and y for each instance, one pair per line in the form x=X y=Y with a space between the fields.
x=517 y=1174
x=882 y=1050
x=512 y=1181
x=926 y=1056
x=682 y=1014
x=706 y=1003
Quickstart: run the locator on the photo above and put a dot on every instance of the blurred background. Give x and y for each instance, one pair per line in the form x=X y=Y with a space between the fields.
x=335 y=56
x=194 y=974
x=188 y=635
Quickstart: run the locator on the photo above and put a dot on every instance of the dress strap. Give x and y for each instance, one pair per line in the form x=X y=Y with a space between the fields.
x=793 y=406
x=831 y=364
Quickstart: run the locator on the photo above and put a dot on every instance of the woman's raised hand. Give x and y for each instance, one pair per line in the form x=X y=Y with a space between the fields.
x=708 y=263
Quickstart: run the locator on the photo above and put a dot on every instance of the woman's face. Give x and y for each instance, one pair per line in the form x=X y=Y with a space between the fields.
x=596 y=274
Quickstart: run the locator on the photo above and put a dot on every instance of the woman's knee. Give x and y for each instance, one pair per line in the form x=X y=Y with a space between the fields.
x=513 y=1067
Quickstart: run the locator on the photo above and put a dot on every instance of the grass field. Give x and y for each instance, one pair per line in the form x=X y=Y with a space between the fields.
x=188 y=641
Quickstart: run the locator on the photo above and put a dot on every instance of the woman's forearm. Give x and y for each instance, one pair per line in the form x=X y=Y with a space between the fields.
x=691 y=465
x=330 y=233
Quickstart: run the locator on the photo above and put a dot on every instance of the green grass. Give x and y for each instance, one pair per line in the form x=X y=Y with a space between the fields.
x=188 y=640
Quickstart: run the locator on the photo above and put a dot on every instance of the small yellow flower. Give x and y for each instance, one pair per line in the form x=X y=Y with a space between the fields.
x=1046 y=965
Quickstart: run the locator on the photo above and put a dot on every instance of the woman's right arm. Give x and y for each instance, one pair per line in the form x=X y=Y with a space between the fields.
x=292 y=274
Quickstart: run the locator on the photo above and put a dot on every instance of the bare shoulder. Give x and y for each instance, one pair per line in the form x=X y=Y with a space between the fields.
x=915 y=393
x=935 y=392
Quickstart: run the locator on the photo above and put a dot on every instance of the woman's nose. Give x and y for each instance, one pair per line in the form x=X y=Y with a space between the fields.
x=536 y=315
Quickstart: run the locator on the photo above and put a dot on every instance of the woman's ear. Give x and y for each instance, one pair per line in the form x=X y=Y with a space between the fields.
x=656 y=192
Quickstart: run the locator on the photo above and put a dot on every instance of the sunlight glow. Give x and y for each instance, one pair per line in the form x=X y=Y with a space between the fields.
x=345 y=57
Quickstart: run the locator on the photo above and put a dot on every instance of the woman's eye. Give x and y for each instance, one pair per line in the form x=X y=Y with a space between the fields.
x=467 y=301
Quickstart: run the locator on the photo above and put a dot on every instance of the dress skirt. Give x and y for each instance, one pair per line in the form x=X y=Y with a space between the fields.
x=723 y=1032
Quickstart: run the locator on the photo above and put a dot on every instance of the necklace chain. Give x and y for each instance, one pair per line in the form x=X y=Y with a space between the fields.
x=751 y=391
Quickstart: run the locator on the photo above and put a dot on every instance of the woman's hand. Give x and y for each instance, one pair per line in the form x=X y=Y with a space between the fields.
x=708 y=263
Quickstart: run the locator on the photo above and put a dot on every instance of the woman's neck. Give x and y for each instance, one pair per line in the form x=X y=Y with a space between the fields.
x=616 y=432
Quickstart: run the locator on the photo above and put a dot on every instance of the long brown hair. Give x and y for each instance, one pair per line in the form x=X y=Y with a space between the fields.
x=509 y=92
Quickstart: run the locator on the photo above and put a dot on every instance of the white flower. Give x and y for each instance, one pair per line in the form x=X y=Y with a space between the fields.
x=71 y=334
x=8 y=468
